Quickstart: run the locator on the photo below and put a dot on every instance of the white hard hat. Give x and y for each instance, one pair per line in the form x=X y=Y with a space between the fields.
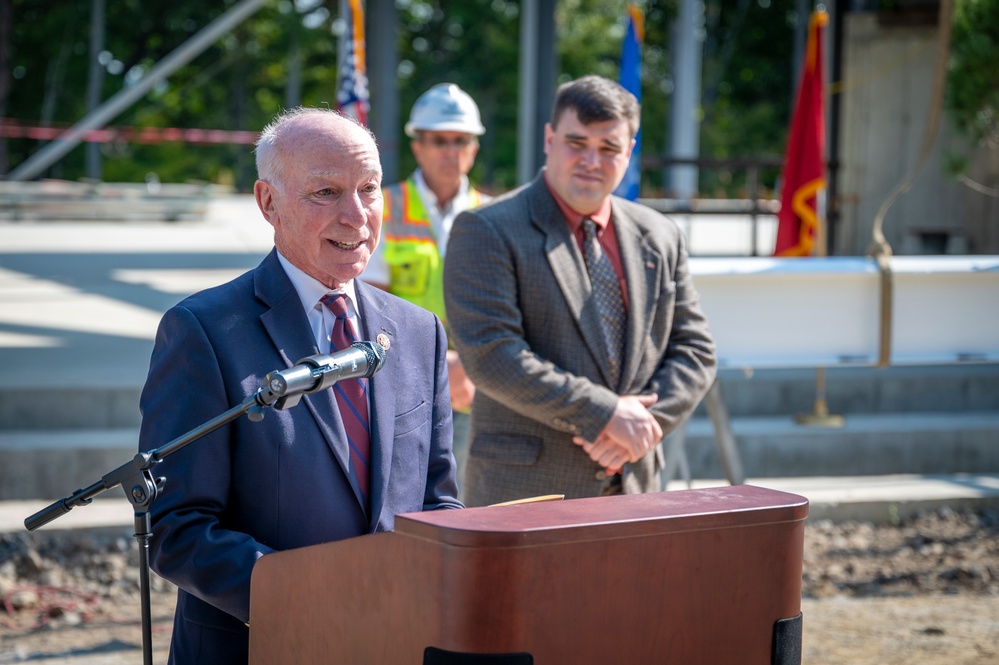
x=444 y=108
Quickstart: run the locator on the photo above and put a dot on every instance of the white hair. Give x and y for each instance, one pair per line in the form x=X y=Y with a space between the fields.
x=269 y=167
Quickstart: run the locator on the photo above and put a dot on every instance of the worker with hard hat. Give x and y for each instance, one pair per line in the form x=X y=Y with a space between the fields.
x=444 y=125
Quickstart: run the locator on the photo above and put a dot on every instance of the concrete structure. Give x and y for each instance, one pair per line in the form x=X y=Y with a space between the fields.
x=80 y=302
x=885 y=96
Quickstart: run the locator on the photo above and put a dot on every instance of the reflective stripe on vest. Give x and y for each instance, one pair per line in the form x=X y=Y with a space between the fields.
x=414 y=262
x=416 y=271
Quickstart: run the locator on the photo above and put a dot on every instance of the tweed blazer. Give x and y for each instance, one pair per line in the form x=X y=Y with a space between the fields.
x=521 y=315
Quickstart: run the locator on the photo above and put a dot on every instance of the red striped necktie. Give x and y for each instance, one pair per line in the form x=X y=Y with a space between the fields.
x=351 y=397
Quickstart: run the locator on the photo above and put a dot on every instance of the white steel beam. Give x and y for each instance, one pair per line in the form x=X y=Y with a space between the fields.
x=812 y=312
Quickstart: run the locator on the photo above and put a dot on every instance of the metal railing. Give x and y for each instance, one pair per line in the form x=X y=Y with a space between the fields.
x=753 y=206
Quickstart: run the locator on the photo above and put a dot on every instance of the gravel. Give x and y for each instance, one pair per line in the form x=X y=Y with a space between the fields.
x=941 y=552
x=83 y=586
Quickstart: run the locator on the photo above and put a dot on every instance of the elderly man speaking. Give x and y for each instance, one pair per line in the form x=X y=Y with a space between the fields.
x=345 y=460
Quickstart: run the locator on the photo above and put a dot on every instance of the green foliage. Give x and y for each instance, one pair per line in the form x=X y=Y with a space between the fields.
x=590 y=36
x=748 y=87
x=973 y=80
x=472 y=43
x=236 y=84
x=243 y=79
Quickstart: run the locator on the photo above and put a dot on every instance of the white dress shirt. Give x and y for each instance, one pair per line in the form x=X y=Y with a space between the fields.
x=311 y=291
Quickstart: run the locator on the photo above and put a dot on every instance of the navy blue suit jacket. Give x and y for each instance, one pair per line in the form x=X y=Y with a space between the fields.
x=251 y=488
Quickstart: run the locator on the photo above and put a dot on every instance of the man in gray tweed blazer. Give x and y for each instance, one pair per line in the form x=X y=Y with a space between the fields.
x=552 y=414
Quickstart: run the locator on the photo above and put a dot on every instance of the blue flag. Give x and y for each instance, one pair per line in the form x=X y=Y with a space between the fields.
x=631 y=79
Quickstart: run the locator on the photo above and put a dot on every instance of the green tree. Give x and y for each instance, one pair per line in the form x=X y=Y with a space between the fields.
x=472 y=43
x=246 y=77
x=973 y=80
x=747 y=87
x=238 y=83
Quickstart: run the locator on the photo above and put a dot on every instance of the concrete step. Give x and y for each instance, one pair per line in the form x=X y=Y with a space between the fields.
x=867 y=444
x=109 y=398
x=39 y=464
x=857 y=390
x=69 y=407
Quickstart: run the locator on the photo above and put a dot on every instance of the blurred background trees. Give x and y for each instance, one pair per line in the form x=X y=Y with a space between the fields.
x=286 y=53
x=973 y=80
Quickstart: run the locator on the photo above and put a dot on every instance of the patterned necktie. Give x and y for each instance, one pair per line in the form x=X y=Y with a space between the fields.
x=607 y=296
x=351 y=396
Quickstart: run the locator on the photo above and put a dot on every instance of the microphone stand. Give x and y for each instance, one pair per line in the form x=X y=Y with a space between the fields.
x=282 y=390
x=141 y=489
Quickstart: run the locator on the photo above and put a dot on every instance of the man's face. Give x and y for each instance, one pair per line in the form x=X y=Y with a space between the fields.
x=327 y=211
x=444 y=157
x=586 y=162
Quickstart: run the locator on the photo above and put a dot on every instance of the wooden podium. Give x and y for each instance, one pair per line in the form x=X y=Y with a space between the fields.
x=694 y=576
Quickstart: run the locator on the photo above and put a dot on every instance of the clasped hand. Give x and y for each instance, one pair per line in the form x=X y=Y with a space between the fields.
x=629 y=435
x=462 y=388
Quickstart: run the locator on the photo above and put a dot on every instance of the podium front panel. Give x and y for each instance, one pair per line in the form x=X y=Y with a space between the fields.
x=696 y=576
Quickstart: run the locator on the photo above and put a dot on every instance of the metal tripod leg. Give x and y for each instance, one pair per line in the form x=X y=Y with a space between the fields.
x=676 y=456
x=715 y=403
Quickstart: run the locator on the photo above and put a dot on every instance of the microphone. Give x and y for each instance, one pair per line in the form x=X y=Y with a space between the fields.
x=315 y=373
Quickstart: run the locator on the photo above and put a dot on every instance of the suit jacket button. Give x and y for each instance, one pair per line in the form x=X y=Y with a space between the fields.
x=600 y=475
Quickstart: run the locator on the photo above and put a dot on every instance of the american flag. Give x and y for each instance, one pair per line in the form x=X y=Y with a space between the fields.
x=352 y=91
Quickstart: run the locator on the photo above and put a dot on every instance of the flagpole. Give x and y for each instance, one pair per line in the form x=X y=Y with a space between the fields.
x=804 y=178
x=820 y=416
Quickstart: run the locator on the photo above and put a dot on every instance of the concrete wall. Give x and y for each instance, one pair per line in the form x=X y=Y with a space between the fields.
x=886 y=90
x=983 y=207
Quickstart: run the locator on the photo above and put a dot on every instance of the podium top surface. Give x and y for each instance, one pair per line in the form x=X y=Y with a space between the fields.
x=624 y=516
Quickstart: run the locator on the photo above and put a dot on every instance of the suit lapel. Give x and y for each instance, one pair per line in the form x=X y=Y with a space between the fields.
x=381 y=393
x=643 y=273
x=569 y=268
x=288 y=328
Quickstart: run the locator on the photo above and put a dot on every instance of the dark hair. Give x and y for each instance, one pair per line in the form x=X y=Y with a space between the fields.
x=596 y=99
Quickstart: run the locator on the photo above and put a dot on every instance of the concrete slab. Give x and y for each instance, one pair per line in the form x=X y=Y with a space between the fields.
x=870 y=498
x=879 y=499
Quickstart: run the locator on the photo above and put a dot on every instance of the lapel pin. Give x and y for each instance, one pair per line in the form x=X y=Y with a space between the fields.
x=383 y=341
x=650 y=265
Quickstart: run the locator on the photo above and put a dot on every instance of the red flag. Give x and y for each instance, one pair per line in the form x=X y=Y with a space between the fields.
x=798 y=225
x=352 y=92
